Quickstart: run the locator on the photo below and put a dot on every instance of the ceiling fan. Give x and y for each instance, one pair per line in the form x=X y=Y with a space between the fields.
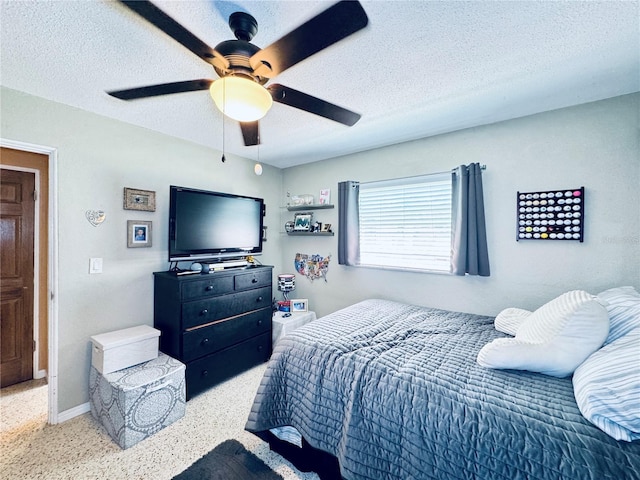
x=244 y=68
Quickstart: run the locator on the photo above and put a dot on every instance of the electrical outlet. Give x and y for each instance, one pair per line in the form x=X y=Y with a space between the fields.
x=95 y=265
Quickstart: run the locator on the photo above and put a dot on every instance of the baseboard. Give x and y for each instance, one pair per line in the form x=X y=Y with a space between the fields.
x=40 y=374
x=74 y=412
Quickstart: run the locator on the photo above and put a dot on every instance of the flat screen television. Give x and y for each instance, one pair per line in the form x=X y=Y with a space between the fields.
x=213 y=226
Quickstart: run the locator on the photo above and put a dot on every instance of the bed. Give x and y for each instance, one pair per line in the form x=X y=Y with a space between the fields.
x=394 y=391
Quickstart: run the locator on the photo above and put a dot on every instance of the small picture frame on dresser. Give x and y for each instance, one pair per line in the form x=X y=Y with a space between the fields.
x=299 y=305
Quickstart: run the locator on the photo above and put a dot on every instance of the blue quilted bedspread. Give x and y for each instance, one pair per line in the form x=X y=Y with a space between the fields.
x=394 y=392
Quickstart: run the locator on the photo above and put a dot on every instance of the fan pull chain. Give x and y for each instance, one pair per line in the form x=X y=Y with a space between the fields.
x=224 y=96
x=257 y=168
x=223 y=157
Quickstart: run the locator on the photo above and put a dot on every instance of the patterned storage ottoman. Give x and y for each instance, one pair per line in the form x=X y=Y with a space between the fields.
x=134 y=403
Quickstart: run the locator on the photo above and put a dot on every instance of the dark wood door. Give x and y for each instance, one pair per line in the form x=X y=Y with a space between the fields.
x=16 y=276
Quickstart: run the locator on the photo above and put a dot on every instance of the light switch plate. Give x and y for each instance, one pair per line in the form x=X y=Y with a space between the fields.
x=95 y=265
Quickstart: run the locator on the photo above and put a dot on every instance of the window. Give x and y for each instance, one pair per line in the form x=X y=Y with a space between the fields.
x=406 y=223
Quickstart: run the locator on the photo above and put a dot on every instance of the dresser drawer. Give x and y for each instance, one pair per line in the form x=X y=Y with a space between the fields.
x=205 y=372
x=252 y=279
x=205 y=311
x=203 y=341
x=207 y=287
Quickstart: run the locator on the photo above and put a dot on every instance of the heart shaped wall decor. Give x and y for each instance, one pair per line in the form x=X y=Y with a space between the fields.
x=95 y=217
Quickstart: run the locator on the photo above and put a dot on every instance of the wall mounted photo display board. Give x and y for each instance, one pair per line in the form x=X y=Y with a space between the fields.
x=550 y=215
x=312 y=266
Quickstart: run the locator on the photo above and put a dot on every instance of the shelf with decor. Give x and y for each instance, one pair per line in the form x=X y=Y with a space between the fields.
x=303 y=223
x=310 y=234
x=301 y=208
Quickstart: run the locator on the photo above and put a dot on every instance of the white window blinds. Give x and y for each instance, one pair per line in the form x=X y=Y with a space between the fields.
x=406 y=223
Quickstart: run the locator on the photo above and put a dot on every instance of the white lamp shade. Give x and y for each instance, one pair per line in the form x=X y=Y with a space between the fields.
x=241 y=98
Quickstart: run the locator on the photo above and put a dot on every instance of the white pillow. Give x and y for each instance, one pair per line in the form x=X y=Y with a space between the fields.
x=509 y=319
x=607 y=388
x=555 y=339
x=623 y=305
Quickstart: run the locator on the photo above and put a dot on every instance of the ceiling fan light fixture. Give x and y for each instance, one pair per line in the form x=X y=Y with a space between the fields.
x=241 y=98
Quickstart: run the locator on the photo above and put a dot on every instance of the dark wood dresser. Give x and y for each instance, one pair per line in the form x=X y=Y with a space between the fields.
x=218 y=324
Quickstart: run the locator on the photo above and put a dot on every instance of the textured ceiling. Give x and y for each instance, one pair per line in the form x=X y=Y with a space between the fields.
x=420 y=68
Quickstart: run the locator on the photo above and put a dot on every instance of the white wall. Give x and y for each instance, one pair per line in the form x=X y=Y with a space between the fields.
x=594 y=145
x=97 y=158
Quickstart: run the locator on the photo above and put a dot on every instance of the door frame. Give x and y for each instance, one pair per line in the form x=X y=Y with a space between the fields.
x=52 y=281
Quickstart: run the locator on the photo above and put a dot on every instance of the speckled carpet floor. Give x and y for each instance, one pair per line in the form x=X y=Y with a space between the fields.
x=81 y=449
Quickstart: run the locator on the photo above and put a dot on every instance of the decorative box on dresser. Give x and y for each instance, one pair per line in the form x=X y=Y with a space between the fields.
x=218 y=324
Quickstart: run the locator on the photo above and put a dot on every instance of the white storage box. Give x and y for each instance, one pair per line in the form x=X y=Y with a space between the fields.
x=138 y=401
x=124 y=348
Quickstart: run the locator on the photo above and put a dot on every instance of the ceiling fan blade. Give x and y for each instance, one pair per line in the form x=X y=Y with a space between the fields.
x=331 y=26
x=161 y=89
x=250 y=133
x=168 y=25
x=294 y=98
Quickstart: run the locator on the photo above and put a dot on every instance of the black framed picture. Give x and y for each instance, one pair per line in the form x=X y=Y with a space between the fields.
x=302 y=222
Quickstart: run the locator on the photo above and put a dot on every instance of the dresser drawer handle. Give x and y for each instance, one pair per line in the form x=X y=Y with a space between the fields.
x=204 y=342
x=260 y=347
x=259 y=322
x=254 y=280
x=205 y=373
x=259 y=299
x=204 y=312
x=209 y=288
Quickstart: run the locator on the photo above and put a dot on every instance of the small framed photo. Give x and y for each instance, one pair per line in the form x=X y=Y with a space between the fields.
x=325 y=196
x=138 y=233
x=302 y=222
x=326 y=227
x=299 y=305
x=142 y=200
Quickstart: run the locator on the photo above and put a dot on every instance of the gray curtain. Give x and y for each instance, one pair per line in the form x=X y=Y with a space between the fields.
x=348 y=223
x=469 y=237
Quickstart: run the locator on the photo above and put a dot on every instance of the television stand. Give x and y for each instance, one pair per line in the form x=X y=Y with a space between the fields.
x=218 y=324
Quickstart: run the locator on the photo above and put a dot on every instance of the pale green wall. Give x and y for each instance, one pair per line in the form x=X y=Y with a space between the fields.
x=97 y=158
x=594 y=145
